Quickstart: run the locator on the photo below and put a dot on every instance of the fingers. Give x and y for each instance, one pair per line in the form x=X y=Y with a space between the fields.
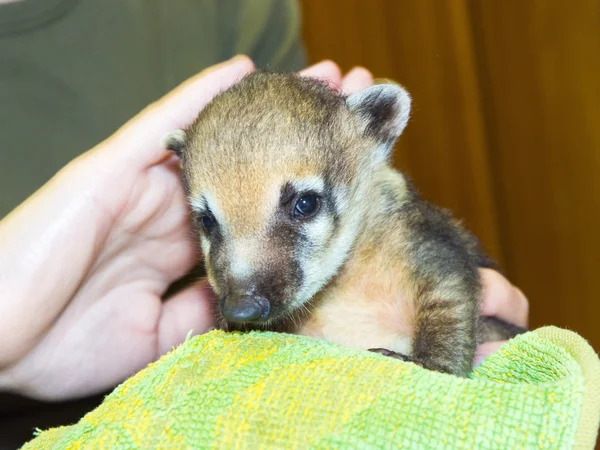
x=142 y=136
x=503 y=300
x=189 y=310
x=327 y=71
x=356 y=80
x=485 y=350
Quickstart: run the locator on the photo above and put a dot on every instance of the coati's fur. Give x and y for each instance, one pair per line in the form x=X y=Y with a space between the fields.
x=375 y=268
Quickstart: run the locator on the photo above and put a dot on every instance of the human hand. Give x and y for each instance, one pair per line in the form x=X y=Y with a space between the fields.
x=504 y=301
x=85 y=261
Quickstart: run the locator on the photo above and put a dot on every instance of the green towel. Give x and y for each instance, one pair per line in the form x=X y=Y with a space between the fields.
x=269 y=390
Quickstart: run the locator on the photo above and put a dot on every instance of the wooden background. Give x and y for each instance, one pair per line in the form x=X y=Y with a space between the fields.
x=505 y=128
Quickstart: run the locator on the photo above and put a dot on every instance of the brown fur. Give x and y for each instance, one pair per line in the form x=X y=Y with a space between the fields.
x=377 y=267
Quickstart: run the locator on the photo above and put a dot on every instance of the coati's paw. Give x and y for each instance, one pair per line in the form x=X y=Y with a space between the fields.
x=390 y=353
x=395 y=355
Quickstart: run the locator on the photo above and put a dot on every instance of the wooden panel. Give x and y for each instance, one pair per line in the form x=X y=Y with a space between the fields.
x=505 y=129
x=540 y=69
x=427 y=49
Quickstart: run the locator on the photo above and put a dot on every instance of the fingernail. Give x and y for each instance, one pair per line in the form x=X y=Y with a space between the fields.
x=360 y=71
x=325 y=62
x=239 y=58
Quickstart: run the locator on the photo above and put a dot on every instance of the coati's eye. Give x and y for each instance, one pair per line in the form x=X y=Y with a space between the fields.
x=307 y=206
x=207 y=221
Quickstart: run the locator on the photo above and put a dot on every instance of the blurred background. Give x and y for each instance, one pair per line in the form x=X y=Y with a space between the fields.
x=505 y=129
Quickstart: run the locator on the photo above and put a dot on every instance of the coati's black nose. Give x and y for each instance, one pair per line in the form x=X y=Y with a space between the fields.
x=245 y=308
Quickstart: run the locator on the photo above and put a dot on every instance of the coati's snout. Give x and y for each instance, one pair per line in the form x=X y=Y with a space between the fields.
x=263 y=298
x=255 y=281
x=259 y=276
x=262 y=263
x=245 y=308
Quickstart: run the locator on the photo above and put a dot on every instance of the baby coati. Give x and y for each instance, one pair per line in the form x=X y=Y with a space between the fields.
x=306 y=228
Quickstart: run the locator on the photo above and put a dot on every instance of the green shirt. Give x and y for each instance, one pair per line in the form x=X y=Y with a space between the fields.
x=73 y=71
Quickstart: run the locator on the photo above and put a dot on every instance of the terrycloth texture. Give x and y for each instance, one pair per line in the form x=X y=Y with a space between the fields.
x=266 y=390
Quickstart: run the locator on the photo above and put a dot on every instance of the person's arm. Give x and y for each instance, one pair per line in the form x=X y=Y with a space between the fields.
x=85 y=261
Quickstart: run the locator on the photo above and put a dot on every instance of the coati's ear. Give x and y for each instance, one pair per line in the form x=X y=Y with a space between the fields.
x=175 y=141
x=383 y=109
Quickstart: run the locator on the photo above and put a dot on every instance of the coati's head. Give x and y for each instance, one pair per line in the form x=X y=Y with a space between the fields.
x=276 y=171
